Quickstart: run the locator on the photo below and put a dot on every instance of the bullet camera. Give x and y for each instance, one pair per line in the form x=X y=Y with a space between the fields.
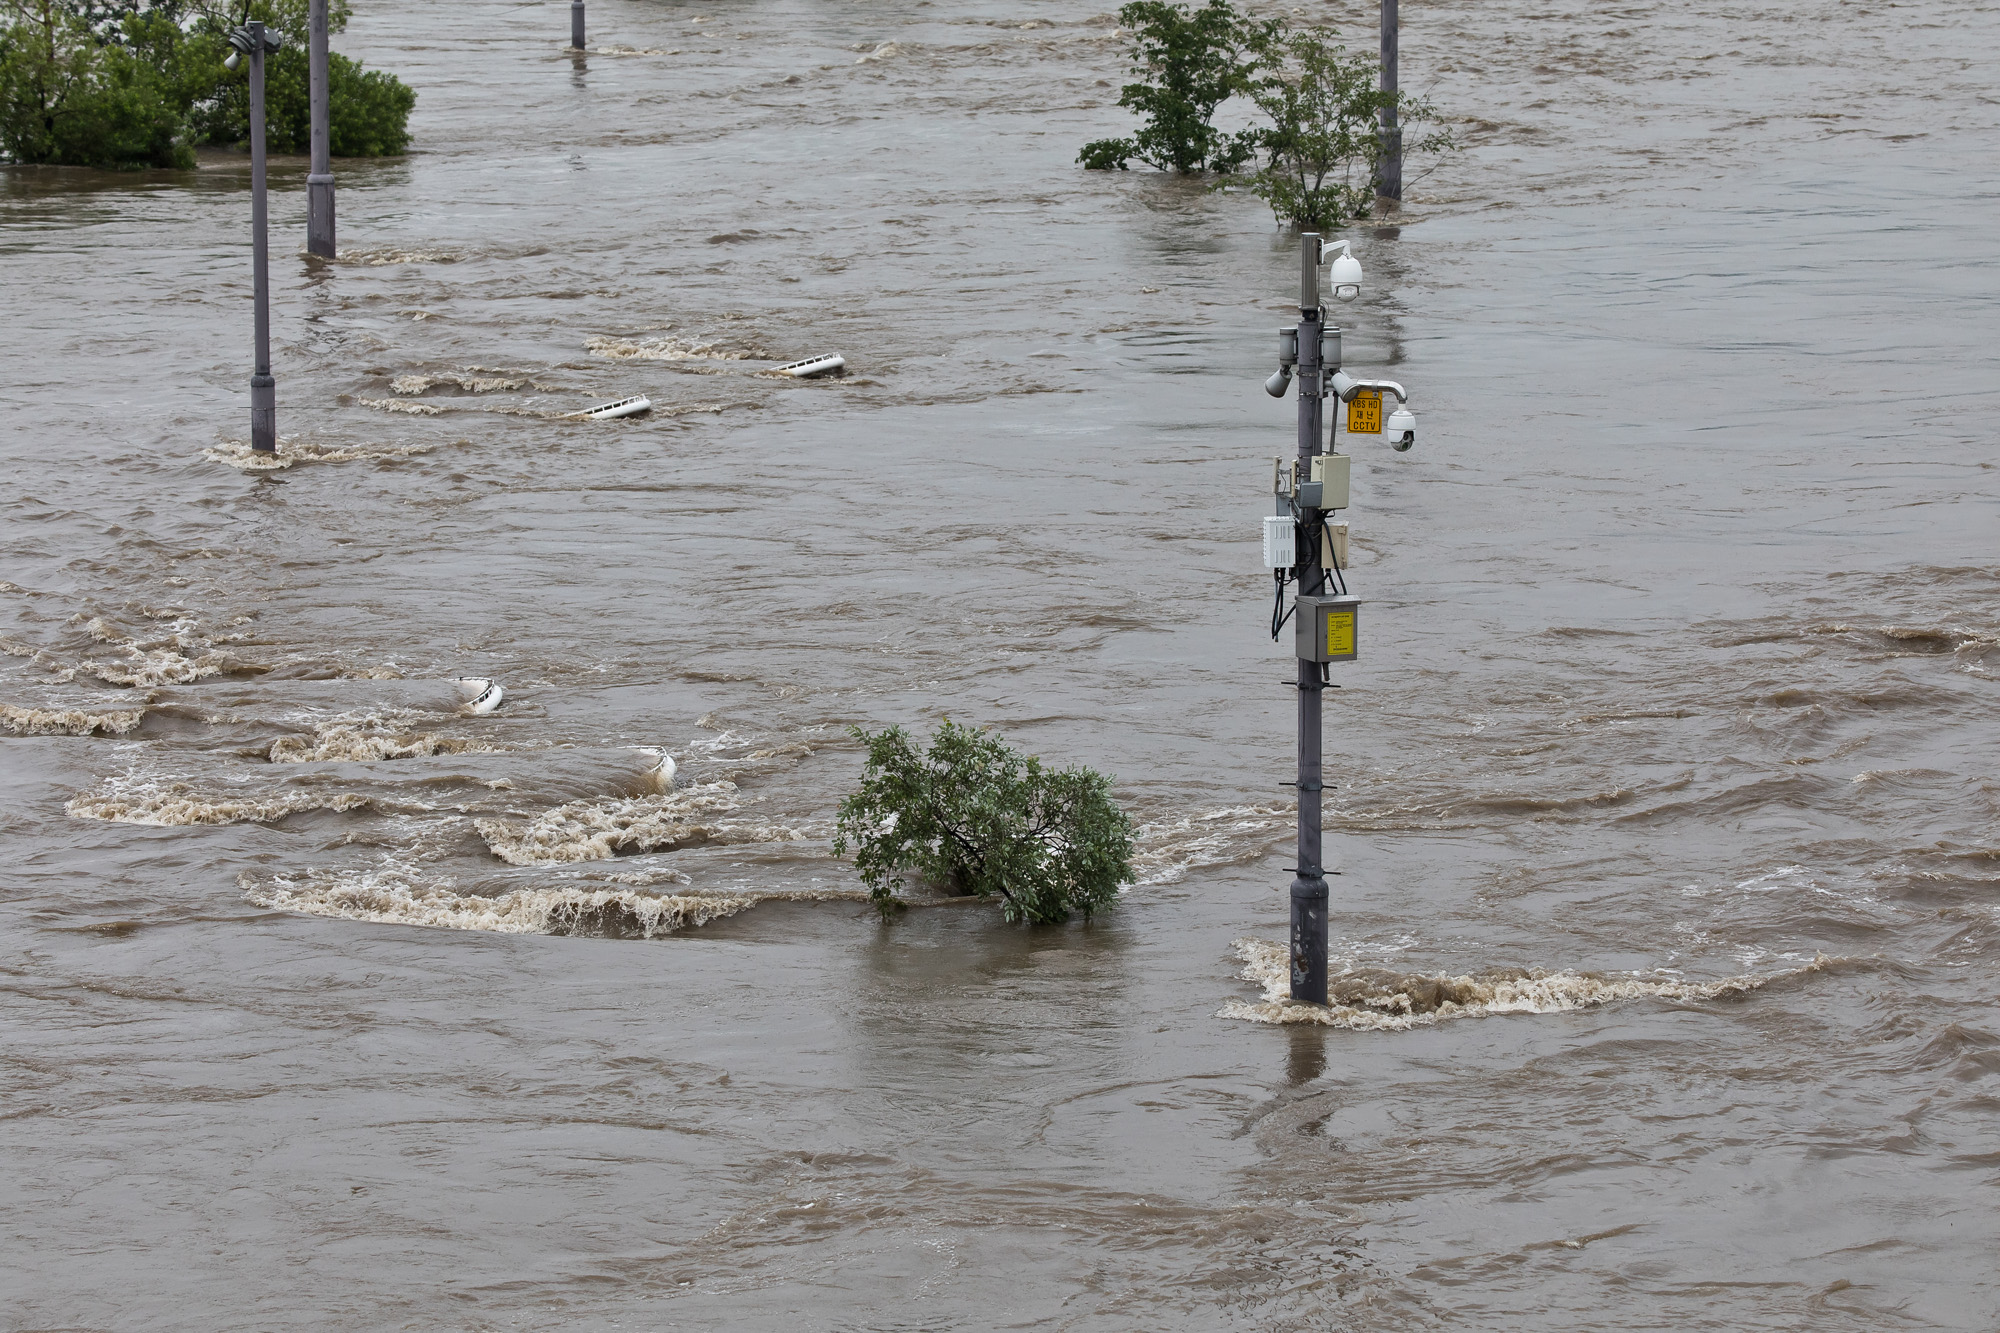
x=1288 y=356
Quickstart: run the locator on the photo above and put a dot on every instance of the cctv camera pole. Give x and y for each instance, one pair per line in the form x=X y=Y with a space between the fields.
x=1309 y=882
x=1389 y=175
x=576 y=25
x=263 y=389
x=319 y=184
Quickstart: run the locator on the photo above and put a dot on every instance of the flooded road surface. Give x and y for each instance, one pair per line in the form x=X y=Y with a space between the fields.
x=1666 y=810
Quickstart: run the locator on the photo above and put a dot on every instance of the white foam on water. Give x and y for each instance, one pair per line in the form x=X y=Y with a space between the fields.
x=239 y=455
x=68 y=721
x=1378 y=999
x=350 y=742
x=138 y=798
x=471 y=383
x=378 y=256
x=1165 y=850
x=604 y=827
x=414 y=409
x=664 y=349
x=396 y=896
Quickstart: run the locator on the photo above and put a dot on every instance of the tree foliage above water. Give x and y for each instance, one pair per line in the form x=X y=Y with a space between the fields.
x=1316 y=157
x=1188 y=64
x=1324 y=144
x=975 y=816
x=121 y=83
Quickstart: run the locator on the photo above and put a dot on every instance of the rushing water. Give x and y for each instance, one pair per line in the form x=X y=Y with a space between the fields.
x=1666 y=809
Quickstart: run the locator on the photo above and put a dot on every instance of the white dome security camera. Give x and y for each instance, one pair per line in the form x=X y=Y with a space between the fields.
x=1344 y=273
x=1402 y=429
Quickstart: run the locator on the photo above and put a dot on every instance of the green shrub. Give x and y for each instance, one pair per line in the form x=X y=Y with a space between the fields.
x=976 y=816
x=1191 y=62
x=368 y=111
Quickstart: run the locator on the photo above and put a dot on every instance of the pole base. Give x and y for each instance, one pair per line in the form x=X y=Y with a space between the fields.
x=1309 y=940
x=263 y=414
x=319 y=215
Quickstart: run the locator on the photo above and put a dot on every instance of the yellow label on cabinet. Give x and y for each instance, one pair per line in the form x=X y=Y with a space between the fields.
x=1364 y=413
x=1339 y=633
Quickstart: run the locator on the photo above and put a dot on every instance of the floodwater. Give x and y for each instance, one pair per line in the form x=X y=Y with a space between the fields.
x=1667 y=819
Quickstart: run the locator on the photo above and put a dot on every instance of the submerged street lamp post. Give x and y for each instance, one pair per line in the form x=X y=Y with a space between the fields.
x=576 y=25
x=319 y=182
x=251 y=40
x=1309 y=877
x=1301 y=548
x=1389 y=179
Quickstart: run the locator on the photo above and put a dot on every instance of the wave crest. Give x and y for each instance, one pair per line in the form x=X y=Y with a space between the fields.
x=68 y=721
x=597 y=830
x=394 y=897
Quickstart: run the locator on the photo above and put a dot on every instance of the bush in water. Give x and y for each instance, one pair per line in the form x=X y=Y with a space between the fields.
x=90 y=83
x=1324 y=142
x=977 y=816
x=1191 y=63
x=368 y=111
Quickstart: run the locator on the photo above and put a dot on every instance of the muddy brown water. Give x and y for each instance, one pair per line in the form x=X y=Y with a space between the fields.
x=1666 y=809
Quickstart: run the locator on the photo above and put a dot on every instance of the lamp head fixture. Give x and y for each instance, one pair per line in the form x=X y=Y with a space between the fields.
x=245 y=41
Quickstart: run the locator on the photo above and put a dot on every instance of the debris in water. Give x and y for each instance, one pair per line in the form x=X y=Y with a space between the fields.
x=828 y=363
x=624 y=407
x=481 y=695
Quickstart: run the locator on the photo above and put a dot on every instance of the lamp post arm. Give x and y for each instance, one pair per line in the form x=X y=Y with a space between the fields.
x=1345 y=386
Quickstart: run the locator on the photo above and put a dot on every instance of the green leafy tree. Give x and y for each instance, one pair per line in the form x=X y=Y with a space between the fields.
x=1189 y=63
x=1324 y=141
x=976 y=816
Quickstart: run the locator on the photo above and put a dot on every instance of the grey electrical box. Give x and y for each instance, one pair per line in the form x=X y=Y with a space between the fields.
x=1333 y=472
x=1326 y=628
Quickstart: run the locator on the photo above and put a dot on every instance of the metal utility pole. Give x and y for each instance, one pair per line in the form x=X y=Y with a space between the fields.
x=319 y=183
x=251 y=40
x=1309 y=877
x=1302 y=547
x=1389 y=179
x=576 y=25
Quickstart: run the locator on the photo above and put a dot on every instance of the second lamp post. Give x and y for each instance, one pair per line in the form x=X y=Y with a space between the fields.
x=253 y=41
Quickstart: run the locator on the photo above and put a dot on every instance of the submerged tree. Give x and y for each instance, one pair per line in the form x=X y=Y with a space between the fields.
x=975 y=816
x=1189 y=63
x=1324 y=142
